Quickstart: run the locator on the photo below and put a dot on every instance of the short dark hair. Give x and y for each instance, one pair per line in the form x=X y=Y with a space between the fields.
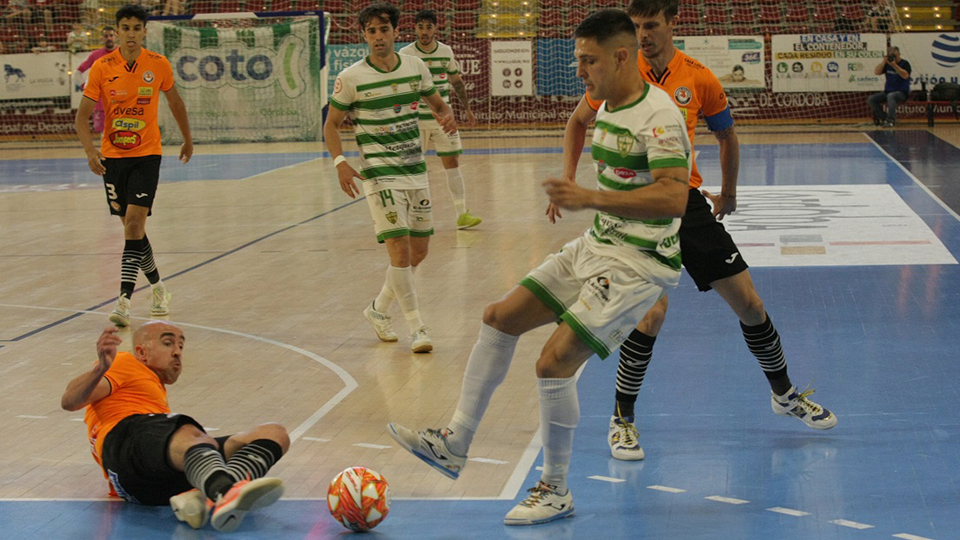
x=428 y=15
x=380 y=10
x=131 y=11
x=106 y=29
x=650 y=8
x=604 y=25
x=738 y=67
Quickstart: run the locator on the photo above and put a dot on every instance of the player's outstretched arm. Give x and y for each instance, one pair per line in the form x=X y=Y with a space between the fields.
x=92 y=386
x=460 y=88
x=726 y=202
x=665 y=198
x=442 y=112
x=81 y=124
x=331 y=134
x=574 y=137
x=179 y=111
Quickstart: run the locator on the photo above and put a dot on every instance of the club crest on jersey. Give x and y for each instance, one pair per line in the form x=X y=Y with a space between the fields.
x=682 y=95
x=601 y=166
x=415 y=86
x=444 y=63
x=148 y=77
x=624 y=144
x=392 y=217
x=397 y=108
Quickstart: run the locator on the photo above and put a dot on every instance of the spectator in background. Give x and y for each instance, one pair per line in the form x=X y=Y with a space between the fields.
x=43 y=12
x=895 y=90
x=878 y=18
x=77 y=38
x=42 y=45
x=17 y=10
x=109 y=36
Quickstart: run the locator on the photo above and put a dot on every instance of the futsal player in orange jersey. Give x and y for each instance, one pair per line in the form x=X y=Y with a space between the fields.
x=129 y=81
x=151 y=456
x=709 y=253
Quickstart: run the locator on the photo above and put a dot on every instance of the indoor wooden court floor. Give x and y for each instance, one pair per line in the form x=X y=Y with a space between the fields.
x=852 y=238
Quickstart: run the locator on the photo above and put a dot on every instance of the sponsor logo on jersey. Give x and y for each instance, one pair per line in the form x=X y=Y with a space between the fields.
x=392 y=217
x=127 y=111
x=415 y=86
x=444 y=63
x=118 y=92
x=682 y=95
x=111 y=79
x=145 y=91
x=415 y=105
x=394 y=87
x=128 y=124
x=658 y=131
x=626 y=174
x=143 y=101
x=148 y=77
x=125 y=139
x=624 y=144
x=601 y=166
x=337 y=86
x=397 y=108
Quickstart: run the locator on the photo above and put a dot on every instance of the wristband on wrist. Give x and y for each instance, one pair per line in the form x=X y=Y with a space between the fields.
x=338 y=160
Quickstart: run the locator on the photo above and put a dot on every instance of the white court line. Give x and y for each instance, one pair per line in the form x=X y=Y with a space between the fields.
x=30 y=416
x=292 y=165
x=371 y=445
x=788 y=511
x=350 y=384
x=607 y=479
x=906 y=536
x=915 y=179
x=851 y=524
x=728 y=500
x=667 y=489
x=314 y=439
x=488 y=460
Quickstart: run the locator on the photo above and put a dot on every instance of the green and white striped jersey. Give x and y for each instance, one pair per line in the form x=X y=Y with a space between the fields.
x=383 y=108
x=442 y=64
x=628 y=143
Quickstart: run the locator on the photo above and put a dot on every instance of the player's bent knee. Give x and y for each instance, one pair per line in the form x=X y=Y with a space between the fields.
x=494 y=316
x=276 y=433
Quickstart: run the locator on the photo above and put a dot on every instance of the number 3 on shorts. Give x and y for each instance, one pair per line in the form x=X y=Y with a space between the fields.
x=111 y=192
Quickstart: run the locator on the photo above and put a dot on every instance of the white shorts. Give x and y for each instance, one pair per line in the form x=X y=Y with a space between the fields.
x=601 y=298
x=444 y=144
x=401 y=212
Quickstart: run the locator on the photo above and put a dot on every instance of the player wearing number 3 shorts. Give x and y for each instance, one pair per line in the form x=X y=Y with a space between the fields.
x=129 y=80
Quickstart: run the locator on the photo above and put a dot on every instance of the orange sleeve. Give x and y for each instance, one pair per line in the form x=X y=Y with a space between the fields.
x=92 y=88
x=166 y=81
x=713 y=98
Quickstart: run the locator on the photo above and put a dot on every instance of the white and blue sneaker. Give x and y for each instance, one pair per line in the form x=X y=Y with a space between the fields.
x=431 y=447
x=543 y=505
x=797 y=405
x=624 y=440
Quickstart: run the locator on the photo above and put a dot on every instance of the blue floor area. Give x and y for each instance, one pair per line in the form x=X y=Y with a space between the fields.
x=878 y=343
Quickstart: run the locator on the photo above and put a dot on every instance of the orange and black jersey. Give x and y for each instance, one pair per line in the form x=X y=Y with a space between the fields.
x=131 y=96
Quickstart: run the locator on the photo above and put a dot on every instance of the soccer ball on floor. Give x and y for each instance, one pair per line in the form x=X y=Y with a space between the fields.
x=359 y=498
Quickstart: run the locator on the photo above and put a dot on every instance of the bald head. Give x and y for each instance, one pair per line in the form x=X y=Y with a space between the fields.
x=159 y=346
x=154 y=329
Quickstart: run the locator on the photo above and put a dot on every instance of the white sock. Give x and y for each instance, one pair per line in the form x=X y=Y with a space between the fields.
x=486 y=368
x=457 y=190
x=402 y=285
x=386 y=297
x=559 y=414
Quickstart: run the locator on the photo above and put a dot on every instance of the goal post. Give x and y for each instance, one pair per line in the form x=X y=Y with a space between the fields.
x=245 y=76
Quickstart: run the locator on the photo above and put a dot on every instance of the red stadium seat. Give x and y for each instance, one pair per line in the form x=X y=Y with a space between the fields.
x=715 y=15
x=769 y=14
x=742 y=15
x=689 y=15
x=464 y=21
x=797 y=13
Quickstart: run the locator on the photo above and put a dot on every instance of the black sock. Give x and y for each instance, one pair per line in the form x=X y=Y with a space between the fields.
x=205 y=470
x=130 y=266
x=764 y=342
x=254 y=460
x=635 y=354
x=147 y=263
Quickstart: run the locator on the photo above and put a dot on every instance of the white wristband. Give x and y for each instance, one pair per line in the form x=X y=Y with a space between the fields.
x=338 y=160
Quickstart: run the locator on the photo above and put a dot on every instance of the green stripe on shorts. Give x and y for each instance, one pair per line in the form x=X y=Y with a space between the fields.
x=394 y=233
x=544 y=295
x=586 y=335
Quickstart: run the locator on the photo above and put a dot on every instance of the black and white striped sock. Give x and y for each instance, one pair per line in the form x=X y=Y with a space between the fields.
x=205 y=470
x=130 y=266
x=254 y=460
x=147 y=263
x=764 y=342
x=635 y=355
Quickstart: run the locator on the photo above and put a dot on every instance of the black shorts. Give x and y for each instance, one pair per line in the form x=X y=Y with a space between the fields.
x=707 y=249
x=135 y=458
x=131 y=181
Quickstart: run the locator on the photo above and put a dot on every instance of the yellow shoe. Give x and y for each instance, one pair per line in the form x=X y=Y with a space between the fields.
x=465 y=220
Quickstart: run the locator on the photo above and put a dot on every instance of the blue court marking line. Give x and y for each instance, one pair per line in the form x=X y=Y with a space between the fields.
x=181 y=272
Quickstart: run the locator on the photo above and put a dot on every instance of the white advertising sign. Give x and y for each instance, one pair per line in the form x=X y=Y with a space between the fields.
x=511 y=68
x=827 y=62
x=736 y=60
x=35 y=75
x=933 y=57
